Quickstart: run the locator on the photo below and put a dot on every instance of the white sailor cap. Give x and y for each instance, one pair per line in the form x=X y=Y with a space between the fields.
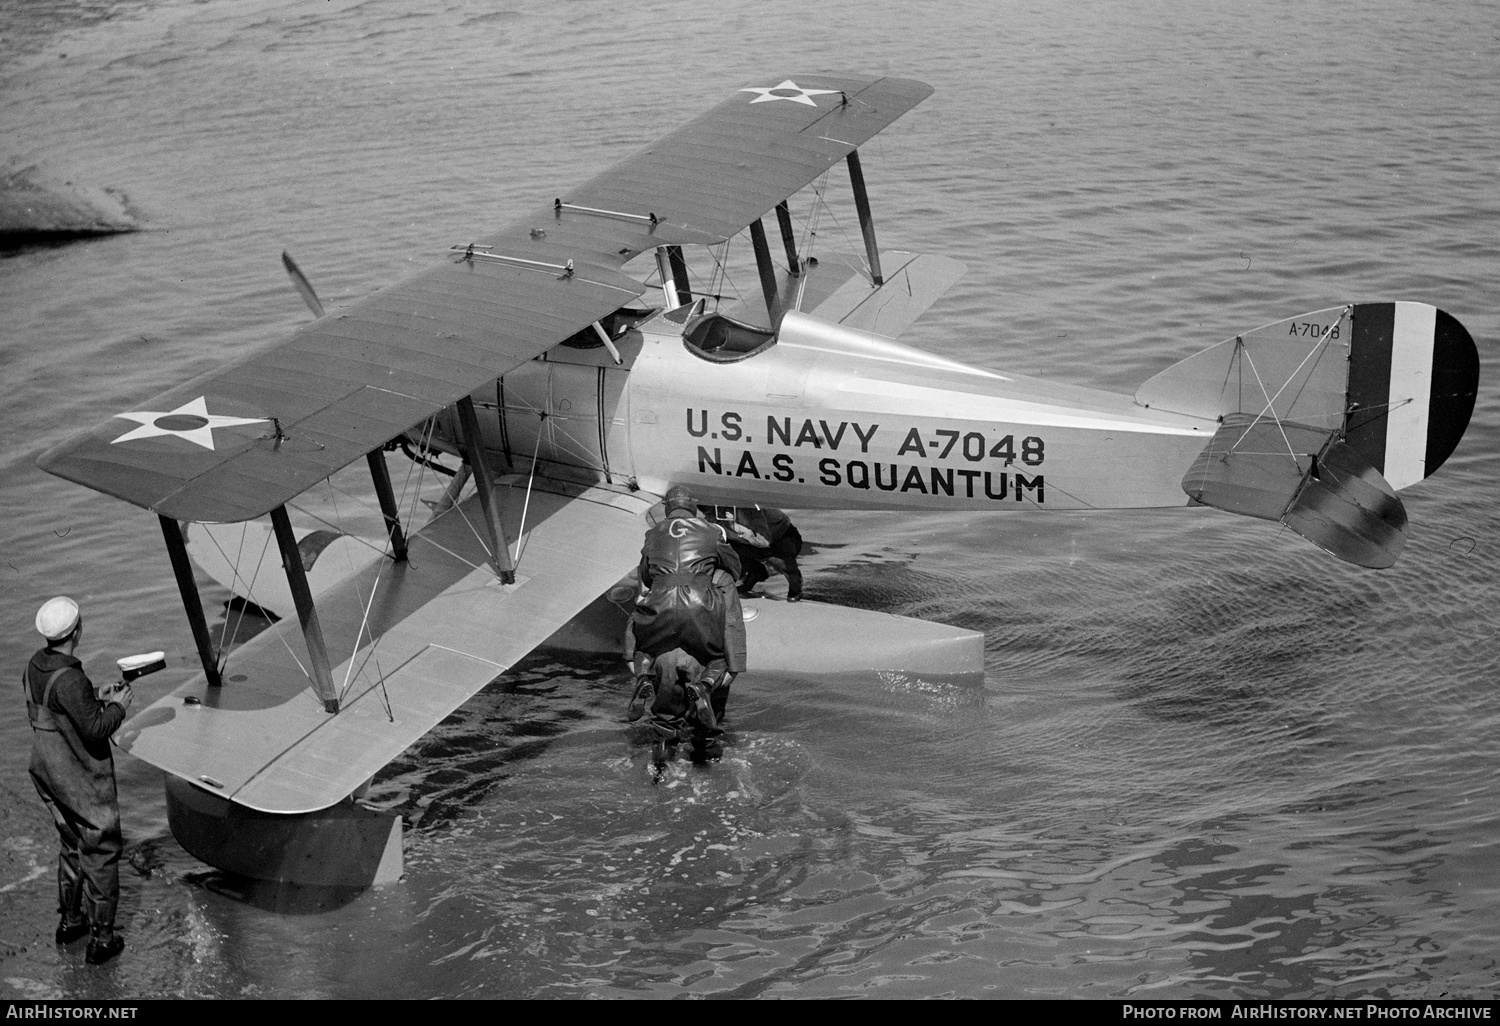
x=57 y=618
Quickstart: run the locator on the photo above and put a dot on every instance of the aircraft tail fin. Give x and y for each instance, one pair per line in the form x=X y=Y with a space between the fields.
x=1396 y=381
x=1325 y=416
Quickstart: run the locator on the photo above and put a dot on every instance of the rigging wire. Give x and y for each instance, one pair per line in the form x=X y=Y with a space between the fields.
x=359 y=636
x=224 y=632
x=416 y=494
x=353 y=537
x=280 y=634
x=234 y=569
x=443 y=548
x=720 y=278
x=364 y=623
x=521 y=538
x=809 y=235
x=1270 y=399
x=474 y=531
x=577 y=449
x=249 y=587
x=856 y=250
x=237 y=577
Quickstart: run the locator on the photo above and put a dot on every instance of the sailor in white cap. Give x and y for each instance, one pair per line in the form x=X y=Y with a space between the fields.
x=74 y=772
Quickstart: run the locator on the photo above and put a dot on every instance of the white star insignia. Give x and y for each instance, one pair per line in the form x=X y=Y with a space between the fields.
x=779 y=92
x=194 y=423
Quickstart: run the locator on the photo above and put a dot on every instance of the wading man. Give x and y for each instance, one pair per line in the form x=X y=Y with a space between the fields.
x=74 y=772
x=686 y=638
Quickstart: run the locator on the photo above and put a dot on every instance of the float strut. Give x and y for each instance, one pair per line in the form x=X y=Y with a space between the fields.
x=788 y=236
x=484 y=483
x=182 y=569
x=866 y=221
x=767 y=272
x=307 y=613
x=382 y=477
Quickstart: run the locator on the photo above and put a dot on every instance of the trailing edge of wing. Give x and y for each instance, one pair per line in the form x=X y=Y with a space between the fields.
x=242 y=440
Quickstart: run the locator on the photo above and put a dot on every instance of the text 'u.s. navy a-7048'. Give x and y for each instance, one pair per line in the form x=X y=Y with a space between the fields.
x=989 y=479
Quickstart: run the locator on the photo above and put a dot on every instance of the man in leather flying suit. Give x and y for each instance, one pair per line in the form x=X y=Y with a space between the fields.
x=686 y=639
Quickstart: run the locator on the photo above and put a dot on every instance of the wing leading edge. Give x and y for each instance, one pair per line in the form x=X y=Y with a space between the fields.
x=243 y=439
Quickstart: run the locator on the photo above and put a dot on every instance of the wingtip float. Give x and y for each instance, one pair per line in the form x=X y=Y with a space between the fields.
x=576 y=387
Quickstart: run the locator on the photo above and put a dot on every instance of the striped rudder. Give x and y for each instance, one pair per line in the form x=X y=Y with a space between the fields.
x=1413 y=377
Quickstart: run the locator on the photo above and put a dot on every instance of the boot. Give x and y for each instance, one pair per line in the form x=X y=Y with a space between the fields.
x=640 y=701
x=702 y=705
x=101 y=951
x=68 y=932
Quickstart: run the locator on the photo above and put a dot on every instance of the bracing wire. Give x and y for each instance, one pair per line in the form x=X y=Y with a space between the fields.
x=1270 y=406
x=406 y=489
x=236 y=578
x=250 y=594
x=364 y=623
x=329 y=523
x=521 y=538
x=575 y=447
x=234 y=568
x=475 y=532
x=359 y=636
x=809 y=235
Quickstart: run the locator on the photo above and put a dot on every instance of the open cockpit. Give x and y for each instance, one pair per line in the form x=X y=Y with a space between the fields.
x=719 y=338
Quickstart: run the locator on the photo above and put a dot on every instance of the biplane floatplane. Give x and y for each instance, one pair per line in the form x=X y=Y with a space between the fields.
x=575 y=394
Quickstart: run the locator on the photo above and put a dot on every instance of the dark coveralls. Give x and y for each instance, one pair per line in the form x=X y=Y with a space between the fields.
x=688 y=603
x=783 y=543
x=74 y=772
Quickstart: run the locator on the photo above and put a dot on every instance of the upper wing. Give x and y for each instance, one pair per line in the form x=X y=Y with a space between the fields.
x=242 y=440
x=421 y=638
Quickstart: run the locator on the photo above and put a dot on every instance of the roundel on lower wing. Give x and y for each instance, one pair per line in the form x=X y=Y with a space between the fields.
x=1413 y=380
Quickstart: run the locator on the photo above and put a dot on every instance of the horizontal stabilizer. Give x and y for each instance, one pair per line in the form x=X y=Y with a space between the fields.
x=1253 y=465
x=912 y=284
x=1307 y=478
x=838 y=290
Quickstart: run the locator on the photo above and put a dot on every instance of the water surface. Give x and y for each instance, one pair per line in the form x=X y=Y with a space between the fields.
x=1206 y=758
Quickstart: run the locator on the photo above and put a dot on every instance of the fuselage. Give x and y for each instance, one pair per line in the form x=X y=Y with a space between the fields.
x=830 y=417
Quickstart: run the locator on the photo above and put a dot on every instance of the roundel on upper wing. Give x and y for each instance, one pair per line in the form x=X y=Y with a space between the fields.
x=190 y=421
x=787 y=90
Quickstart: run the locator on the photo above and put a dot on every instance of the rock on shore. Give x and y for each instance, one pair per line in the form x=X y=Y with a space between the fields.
x=38 y=208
